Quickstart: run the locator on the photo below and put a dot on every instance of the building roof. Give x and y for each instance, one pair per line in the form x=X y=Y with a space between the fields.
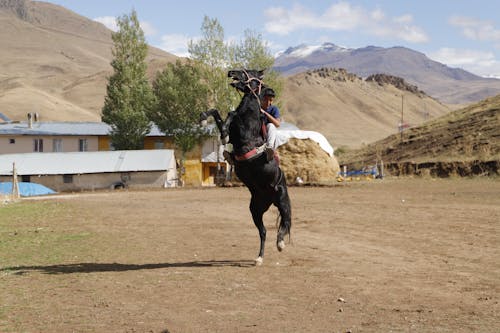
x=87 y=162
x=62 y=128
x=4 y=117
x=66 y=128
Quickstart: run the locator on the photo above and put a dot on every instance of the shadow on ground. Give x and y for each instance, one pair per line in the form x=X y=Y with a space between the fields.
x=117 y=267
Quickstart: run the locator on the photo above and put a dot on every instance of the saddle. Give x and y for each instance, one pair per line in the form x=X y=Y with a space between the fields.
x=270 y=153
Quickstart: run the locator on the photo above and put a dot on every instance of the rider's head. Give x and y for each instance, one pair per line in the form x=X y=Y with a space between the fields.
x=267 y=97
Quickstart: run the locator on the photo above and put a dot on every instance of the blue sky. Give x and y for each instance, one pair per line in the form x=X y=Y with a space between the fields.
x=458 y=33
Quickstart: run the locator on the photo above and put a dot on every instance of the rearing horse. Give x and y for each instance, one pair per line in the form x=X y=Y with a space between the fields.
x=262 y=175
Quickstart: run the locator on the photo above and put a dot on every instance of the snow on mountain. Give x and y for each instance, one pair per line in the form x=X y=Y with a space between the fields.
x=449 y=85
x=304 y=50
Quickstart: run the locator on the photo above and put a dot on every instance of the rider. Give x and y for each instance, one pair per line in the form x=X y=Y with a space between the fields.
x=270 y=115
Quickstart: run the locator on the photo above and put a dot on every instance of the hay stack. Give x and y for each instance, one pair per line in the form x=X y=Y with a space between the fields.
x=306 y=159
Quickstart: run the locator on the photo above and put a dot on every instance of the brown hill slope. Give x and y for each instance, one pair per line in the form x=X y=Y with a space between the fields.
x=350 y=111
x=55 y=62
x=465 y=141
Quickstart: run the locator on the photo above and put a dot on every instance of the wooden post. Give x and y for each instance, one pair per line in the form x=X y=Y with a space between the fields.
x=402 y=119
x=15 y=185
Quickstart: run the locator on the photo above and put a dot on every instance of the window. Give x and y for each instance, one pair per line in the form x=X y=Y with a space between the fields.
x=83 y=145
x=159 y=144
x=57 y=145
x=12 y=141
x=26 y=178
x=67 y=179
x=38 y=145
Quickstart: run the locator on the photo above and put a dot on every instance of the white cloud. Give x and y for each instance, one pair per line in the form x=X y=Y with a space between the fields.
x=377 y=15
x=405 y=19
x=476 y=29
x=176 y=44
x=148 y=28
x=342 y=16
x=398 y=27
x=477 y=62
x=108 y=21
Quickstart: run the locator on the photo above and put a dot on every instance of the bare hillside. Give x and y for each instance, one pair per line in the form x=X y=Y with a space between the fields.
x=465 y=141
x=55 y=62
x=350 y=111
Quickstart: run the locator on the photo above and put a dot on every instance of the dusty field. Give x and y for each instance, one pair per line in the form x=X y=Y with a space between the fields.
x=383 y=256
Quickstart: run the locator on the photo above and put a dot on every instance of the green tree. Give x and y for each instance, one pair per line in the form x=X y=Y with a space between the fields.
x=217 y=57
x=181 y=97
x=213 y=56
x=129 y=94
x=253 y=53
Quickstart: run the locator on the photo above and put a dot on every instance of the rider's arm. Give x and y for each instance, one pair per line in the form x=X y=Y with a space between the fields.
x=275 y=121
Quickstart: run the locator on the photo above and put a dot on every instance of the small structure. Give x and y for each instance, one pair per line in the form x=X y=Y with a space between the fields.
x=201 y=165
x=76 y=171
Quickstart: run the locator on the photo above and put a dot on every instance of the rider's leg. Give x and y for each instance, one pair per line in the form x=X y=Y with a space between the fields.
x=271 y=141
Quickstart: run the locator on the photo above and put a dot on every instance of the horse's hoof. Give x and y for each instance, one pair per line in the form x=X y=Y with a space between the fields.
x=280 y=245
x=259 y=261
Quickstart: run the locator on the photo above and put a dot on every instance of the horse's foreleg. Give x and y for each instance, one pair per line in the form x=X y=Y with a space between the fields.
x=222 y=125
x=216 y=115
x=257 y=208
x=224 y=130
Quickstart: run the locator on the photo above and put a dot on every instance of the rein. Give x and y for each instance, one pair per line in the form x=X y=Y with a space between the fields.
x=250 y=79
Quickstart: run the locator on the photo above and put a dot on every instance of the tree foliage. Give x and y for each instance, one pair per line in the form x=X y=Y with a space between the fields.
x=216 y=57
x=129 y=95
x=181 y=97
x=213 y=56
x=253 y=53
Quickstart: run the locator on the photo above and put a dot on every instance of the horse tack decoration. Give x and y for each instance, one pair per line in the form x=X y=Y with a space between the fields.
x=259 y=172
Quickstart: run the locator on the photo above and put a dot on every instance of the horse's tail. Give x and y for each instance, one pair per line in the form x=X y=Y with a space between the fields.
x=284 y=207
x=286 y=229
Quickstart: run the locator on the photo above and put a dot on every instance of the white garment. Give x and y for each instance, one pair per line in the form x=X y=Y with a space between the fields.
x=271 y=136
x=283 y=135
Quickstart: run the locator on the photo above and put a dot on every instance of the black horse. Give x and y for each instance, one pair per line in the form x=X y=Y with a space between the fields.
x=262 y=175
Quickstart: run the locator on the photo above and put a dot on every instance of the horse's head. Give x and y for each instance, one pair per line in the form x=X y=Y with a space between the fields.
x=246 y=81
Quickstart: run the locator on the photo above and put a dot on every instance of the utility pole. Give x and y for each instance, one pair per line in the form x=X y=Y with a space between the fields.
x=402 y=119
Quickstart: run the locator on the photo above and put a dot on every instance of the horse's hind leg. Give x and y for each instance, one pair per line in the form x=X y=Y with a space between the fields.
x=258 y=208
x=285 y=209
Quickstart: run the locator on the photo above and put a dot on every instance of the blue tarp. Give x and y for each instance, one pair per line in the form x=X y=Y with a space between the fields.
x=26 y=189
x=364 y=172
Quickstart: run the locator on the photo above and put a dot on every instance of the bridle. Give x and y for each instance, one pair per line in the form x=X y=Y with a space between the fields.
x=259 y=88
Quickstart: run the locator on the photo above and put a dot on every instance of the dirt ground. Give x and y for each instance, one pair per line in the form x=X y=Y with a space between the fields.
x=393 y=255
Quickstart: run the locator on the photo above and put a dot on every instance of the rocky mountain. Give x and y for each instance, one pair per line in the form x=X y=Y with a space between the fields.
x=351 y=111
x=55 y=62
x=449 y=85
